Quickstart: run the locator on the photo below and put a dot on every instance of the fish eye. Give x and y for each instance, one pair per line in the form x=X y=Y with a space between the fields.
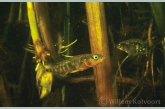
x=95 y=57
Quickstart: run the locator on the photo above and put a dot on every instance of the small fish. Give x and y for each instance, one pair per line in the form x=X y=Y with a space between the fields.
x=75 y=64
x=133 y=47
x=44 y=76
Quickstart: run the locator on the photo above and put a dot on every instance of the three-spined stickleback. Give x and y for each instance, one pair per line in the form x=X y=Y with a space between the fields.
x=75 y=64
x=62 y=68
x=133 y=47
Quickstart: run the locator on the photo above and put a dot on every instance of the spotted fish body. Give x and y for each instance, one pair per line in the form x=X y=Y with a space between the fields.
x=75 y=64
x=133 y=47
x=44 y=73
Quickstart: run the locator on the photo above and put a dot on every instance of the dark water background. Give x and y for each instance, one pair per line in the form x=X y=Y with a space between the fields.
x=135 y=19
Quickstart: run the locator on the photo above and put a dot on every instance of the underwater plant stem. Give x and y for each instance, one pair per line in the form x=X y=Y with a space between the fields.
x=111 y=36
x=39 y=48
x=146 y=71
x=63 y=94
x=149 y=33
x=20 y=11
x=122 y=26
x=5 y=98
x=152 y=70
x=22 y=77
x=33 y=22
x=99 y=44
x=163 y=45
x=9 y=23
x=151 y=52
x=67 y=40
x=90 y=78
x=132 y=90
x=119 y=69
x=159 y=16
x=67 y=28
x=122 y=64
x=137 y=94
x=158 y=10
x=44 y=25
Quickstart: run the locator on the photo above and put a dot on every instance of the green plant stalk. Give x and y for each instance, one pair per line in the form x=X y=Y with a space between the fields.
x=67 y=37
x=10 y=20
x=40 y=49
x=159 y=16
x=33 y=22
x=20 y=11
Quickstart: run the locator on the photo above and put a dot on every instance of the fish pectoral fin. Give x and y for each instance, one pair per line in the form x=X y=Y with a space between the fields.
x=75 y=71
x=67 y=56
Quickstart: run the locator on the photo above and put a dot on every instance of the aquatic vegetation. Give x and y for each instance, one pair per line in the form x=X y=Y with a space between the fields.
x=57 y=74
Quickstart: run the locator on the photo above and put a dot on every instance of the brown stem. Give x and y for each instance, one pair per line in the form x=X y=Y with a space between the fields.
x=149 y=33
x=125 y=80
x=99 y=44
x=42 y=14
x=122 y=80
x=151 y=51
x=4 y=97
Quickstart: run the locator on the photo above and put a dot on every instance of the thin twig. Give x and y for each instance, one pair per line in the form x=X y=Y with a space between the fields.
x=22 y=75
x=5 y=97
x=119 y=68
x=125 y=80
x=111 y=36
x=132 y=90
x=151 y=51
x=137 y=94
x=149 y=33
x=145 y=74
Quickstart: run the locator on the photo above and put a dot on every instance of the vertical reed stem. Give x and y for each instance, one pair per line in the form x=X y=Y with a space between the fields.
x=42 y=14
x=99 y=44
x=5 y=97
